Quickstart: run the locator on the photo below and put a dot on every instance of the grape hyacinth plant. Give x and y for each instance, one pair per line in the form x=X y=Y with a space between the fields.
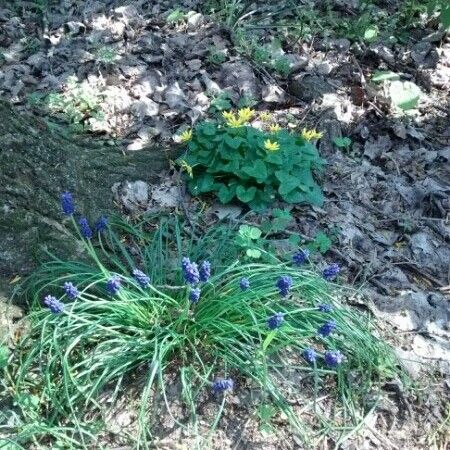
x=113 y=285
x=71 y=290
x=301 y=256
x=67 y=203
x=331 y=272
x=325 y=308
x=141 y=278
x=85 y=229
x=327 y=328
x=194 y=295
x=244 y=284
x=275 y=321
x=53 y=304
x=223 y=384
x=284 y=284
x=333 y=358
x=190 y=271
x=147 y=328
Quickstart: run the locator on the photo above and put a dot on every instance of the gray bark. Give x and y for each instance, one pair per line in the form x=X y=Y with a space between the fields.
x=37 y=163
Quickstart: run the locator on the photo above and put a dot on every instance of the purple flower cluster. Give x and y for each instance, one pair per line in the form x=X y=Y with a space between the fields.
x=190 y=271
x=194 y=295
x=333 y=358
x=71 y=290
x=330 y=272
x=223 y=384
x=113 y=285
x=310 y=355
x=67 y=203
x=101 y=224
x=284 y=285
x=301 y=256
x=327 y=328
x=325 y=308
x=275 y=321
x=244 y=284
x=141 y=278
x=205 y=271
x=85 y=229
x=53 y=304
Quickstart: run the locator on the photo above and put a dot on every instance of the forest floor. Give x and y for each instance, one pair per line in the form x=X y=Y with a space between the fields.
x=137 y=73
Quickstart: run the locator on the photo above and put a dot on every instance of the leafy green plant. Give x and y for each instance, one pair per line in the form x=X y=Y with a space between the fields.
x=77 y=104
x=176 y=16
x=321 y=243
x=282 y=66
x=4 y=353
x=221 y=101
x=107 y=55
x=342 y=142
x=281 y=218
x=235 y=160
x=248 y=239
x=138 y=333
x=216 y=56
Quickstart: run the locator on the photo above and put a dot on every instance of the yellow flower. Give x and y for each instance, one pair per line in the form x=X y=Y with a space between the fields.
x=186 y=167
x=275 y=128
x=245 y=114
x=186 y=136
x=265 y=116
x=309 y=135
x=271 y=146
x=231 y=119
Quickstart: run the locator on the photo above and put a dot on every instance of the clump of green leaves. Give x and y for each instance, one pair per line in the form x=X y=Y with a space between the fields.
x=78 y=104
x=176 y=16
x=107 y=55
x=216 y=56
x=253 y=165
x=342 y=142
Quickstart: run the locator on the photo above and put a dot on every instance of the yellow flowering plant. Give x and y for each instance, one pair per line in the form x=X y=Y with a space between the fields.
x=234 y=160
x=311 y=135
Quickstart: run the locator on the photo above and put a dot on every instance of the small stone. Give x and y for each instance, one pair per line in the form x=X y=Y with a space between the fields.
x=273 y=94
x=297 y=62
x=145 y=107
x=74 y=27
x=324 y=68
x=194 y=21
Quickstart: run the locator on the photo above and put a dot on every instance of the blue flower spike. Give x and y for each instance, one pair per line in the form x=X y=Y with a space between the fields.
x=113 y=285
x=101 y=224
x=309 y=355
x=331 y=272
x=53 y=304
x=194 y=295
x=275 y=321
x=67 y=203
x=190 y=271
x=325 y=308
x=85 y=229
x=284 y=284
x=222 y=385
x=71 y=290
x=333 y=358
x=205 y=271
x=244 y=284
x=301 y=256
x=141 y=278
x=327 y=328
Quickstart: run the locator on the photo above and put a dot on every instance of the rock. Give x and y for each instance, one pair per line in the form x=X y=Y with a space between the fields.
x=309 y=87
x=133 y=196
x=175 y=97
x=296 y=62
x=194 y=21
x=273 y=94
x=424 y=55
x=324 y=68
x=145 y=107
x=241 y=75
x=374 y=149
x=74 y=27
